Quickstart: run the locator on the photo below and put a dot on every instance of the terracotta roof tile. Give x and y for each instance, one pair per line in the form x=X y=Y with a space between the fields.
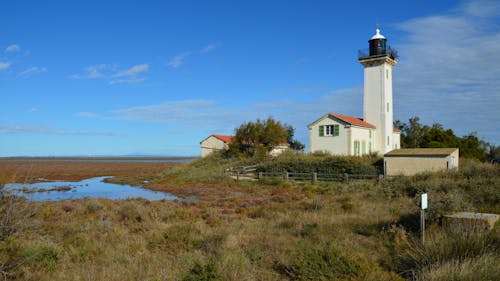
x=353 y=120
x=421 y=152
x=226 y=139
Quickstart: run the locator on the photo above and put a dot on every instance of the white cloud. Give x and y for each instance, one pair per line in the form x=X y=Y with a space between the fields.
x=38 y=129
x=209 y=48
x=13 y=48
x=126 y=81
x=447 y=72
x=482 y=8
x=32 y=70
x=31 y=110
x=178 y=60
x=133 y=71
x=88 y=114
x=109 y=73
x=4 y=65
x=92 y=72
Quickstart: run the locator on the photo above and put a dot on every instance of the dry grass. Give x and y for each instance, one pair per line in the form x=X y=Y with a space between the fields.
x=27 y=171
x=252 y=231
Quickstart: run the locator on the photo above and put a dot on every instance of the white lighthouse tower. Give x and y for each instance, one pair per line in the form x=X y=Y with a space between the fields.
x=377 y=99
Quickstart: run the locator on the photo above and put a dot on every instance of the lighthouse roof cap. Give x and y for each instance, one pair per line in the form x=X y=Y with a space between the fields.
x=377 y=35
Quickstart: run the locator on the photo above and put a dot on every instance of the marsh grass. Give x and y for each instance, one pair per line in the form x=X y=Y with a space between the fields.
x=261 y=231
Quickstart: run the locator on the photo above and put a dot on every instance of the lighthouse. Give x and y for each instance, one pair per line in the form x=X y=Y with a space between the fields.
x=378 y=62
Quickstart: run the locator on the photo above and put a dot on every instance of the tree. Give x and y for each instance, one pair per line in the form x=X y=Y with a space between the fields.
x=294 y=144
x=262 y=136
x=415 y=135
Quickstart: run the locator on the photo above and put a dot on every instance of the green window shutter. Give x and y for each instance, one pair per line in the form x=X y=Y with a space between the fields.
x=321 y=131
x=335 y=130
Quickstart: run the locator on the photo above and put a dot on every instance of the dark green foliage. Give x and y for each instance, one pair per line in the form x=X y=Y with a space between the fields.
x=267 y=134
x=310 y=262
x=415 y=135
x=202 y=272
x=319 y=163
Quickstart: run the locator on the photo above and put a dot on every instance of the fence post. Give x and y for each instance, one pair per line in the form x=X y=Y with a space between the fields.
x=260 y=175
x=315 y=177
x=380 y=177
x=346 y=178
x=286 y=175
x=238 y=176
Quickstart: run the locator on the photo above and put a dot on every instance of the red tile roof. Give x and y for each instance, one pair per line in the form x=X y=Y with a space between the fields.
x=396 y=130
x=226 y=139
x=353 y=120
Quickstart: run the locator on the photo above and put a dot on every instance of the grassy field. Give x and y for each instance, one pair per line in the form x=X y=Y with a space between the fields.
x=274 y=230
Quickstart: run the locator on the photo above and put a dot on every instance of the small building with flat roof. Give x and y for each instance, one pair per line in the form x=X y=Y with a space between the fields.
x=411 y=161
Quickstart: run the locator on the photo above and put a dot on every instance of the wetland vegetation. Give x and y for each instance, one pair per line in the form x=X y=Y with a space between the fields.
x=268 y=230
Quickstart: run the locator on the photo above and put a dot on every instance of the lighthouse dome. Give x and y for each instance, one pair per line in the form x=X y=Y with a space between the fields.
x=377 y=35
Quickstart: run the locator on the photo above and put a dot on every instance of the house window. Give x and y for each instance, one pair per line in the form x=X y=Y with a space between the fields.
x=363 y=148
x=329 y=130
x=370 y=147
x=370 y=134
x=356 y=148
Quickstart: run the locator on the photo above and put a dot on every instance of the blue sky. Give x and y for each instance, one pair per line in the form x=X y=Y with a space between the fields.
x=156 y=77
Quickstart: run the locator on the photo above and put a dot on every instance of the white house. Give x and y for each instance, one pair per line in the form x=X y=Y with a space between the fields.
x=347 y=135
x=221 y=142
x=215 y=142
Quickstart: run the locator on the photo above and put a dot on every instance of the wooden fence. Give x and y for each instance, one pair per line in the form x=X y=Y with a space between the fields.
x=250 y=172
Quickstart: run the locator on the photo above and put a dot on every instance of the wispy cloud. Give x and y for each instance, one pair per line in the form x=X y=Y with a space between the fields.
x=453 y=78
x=32 y=71
x=112 y=75
x=92 y=72
x=178 y=60
x=13 y=48
x=32 y=110
x=209 y=48
x=38 y=129
x=4 y=65
x=88 y=114
x=133 y=71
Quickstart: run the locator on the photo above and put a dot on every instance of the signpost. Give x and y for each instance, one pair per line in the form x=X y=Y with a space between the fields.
x=423 y=206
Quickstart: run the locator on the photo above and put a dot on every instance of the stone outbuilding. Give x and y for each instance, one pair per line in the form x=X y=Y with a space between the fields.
x=214 y=143
x=411 y=161
x=221 y=142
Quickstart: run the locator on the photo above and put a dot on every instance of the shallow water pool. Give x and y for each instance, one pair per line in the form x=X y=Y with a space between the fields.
x=88 y=188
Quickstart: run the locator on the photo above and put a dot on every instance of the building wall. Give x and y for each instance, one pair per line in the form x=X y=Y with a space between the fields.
x=211 y=144
x=377 y=101
x=278 y=150
x=332 y=144
x=411 y=165
x=362 y=135
x=396 y=140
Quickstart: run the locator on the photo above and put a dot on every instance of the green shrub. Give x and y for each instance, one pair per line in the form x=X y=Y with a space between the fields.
x=202 y=272
x=310 y=262
x=324 y=164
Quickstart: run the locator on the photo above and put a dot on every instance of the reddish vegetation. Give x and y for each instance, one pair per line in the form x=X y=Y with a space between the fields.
x=31 y=171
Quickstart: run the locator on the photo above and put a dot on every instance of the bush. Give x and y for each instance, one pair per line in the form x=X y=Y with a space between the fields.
x=442 y=248
x=319 y=163
x=309 y=262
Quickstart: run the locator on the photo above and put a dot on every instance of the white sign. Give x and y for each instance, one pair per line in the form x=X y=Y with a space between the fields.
x=423 y=200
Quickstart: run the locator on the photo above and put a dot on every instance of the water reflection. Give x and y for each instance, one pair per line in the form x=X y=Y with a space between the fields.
x=89 y=188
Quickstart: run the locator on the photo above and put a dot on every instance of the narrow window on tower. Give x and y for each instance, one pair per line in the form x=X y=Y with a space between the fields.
x=387 y=107
x=387 y=73
x=388 y=141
